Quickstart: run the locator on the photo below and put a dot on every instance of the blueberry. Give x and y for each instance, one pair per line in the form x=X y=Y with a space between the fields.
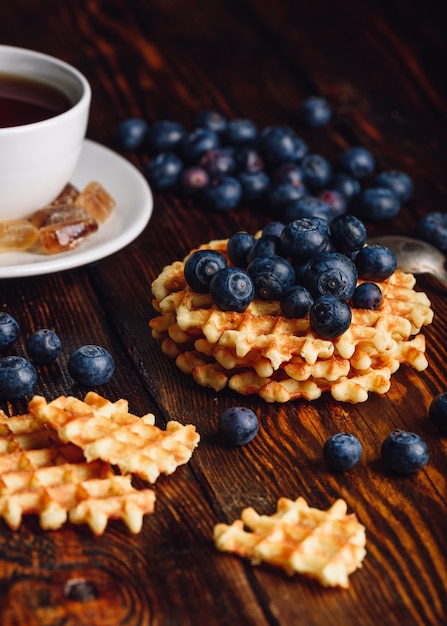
x=18 y=377
x=307 y=206
x=282 y=193
x=357 y=162
x=222 y=194
x=267 y=245
x=43 y=346
x=132 y=133
x=165 y=136
x=317 y=171
x=377 y=204
x=240 y=131
x=345 y=184
x=195 y=144
x=271 y=275
x=295 y=302
x=238 y=425
x=193 y=180
x=335 y=199
x=375 y=262
x=248 y=159
x=201 y=266
x=437 y=412
x=273 y=228
x=330 y=317
x=232 y=289
x=331 y=273
x=399 y=183
x=212 y=120
x=348 y=233
x=367 y=296
x=218 y=162
x=342 y=451
x=289 y=173
x=164 y=171
x=9 y=330
x=432 y=228
x=404 y=452
x=280 y=144
x=304 y=238
x=91 y=365
x=255 y=186
x=238 y=247
x=315 y=112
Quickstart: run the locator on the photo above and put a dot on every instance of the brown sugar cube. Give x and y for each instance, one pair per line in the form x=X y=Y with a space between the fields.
x=96 y=201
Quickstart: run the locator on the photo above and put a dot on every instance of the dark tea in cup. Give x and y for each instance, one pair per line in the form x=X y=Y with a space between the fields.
x=25 y=101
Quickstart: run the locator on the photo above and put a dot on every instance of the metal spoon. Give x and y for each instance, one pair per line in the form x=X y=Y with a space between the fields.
x=415 y=256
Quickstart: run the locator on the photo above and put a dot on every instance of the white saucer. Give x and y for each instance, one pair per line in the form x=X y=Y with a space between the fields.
x=131 y=214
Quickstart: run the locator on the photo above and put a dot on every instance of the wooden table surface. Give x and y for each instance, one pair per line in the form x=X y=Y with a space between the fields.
x=382 y=67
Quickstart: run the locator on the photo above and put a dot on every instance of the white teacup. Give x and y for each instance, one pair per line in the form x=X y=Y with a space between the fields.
x=37 y=159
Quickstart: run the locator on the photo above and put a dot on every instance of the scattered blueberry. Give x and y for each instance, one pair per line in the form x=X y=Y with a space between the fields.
x=212 y=120
x=9 y=330
x=335 y=200
x=347 y=185
x=222 y=194
x=375 y=262
x=164 y=171
x=437 y=412
x=282 y=193
x=329 y=316
x=432 y=228
x=403 y=452
x=91 y=365
x=218 y=162
x=255 y=186
x=248 y=159
x=240 y=131
x=238 y=426
x=307 y=206
x=266 y=245
x=165 y=136
x=357 y=162
x=273 y=228
x=315 y=112
x=295 y=302
x=18 y=377
x=378 y=204
x=367 y=296
x=132 y=133
x=201 y=266
x=193 y=179
x=342 y=451
x=232 y=289
x=280 y=144
x=195 y=144
x=289 y=173
x=317 y=171
x=399 y=183
x=43 y=346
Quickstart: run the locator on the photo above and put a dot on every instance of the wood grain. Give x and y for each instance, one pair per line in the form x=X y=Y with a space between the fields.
x=381 y=65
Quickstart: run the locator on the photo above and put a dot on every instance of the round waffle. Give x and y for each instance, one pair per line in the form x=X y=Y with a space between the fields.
x=260 y=351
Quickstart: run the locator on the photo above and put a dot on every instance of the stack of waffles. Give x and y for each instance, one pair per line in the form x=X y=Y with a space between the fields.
x=260 y=351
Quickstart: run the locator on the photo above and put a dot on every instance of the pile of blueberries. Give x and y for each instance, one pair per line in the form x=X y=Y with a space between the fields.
x=89 y=365
x=310 y=266
x=225 y=163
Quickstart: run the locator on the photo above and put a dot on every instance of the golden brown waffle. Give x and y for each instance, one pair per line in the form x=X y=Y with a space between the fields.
x=42 y=476
x=106 y=430
x=327 y=545
x=259 y=351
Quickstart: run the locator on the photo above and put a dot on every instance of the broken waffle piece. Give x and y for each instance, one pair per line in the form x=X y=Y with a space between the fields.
x=106 y=430
x=260 y=351
x=40 y=475
x=326 y=545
